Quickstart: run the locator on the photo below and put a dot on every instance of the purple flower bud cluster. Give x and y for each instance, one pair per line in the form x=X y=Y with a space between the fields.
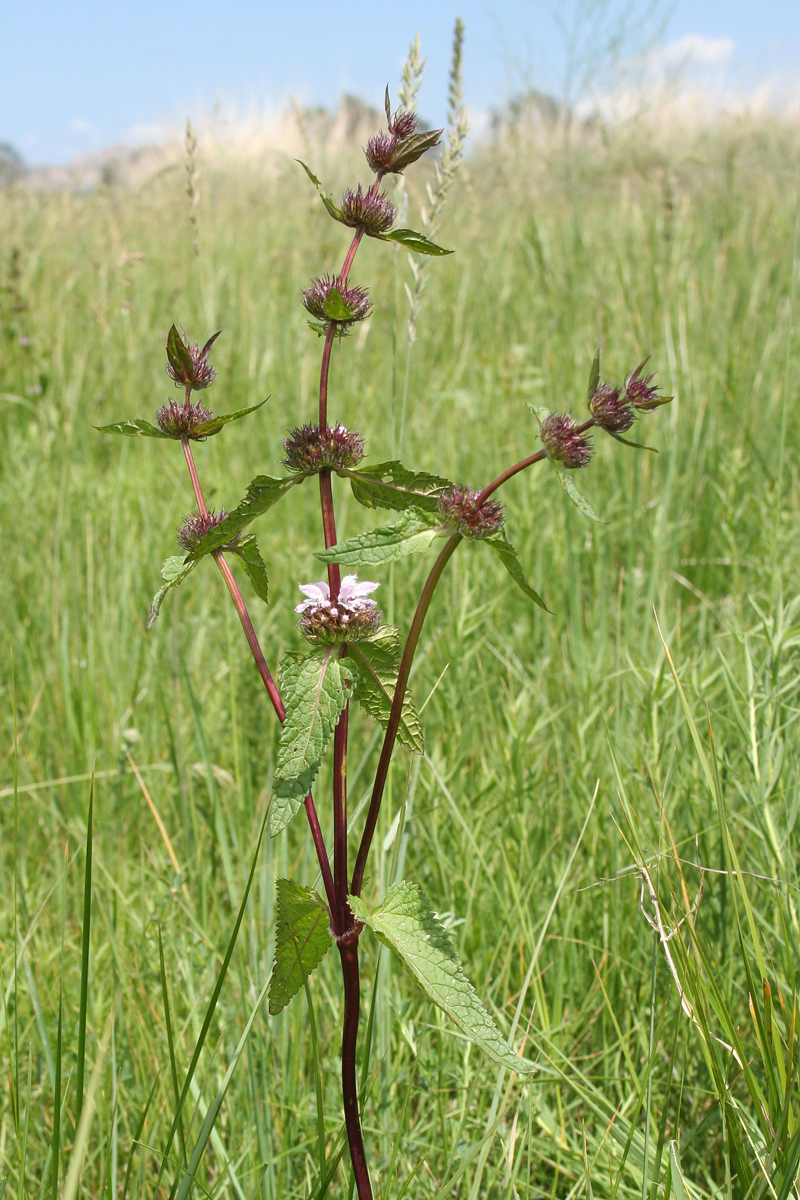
x=310 y=449
x=192 y=369
x=328 y=300
x=183 y=420
x=390 y=153
x=371 y=211
x=460 y=510
x=564 y=442
x=195 y=527
x=614 y=408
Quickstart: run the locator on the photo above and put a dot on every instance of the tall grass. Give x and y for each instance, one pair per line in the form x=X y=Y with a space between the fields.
x=659 y=992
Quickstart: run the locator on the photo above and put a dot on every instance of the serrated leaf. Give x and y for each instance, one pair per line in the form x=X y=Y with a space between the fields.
x=412 y=241
x=508 y=557
x=411 y=535
x=302 y=939
x=178 y=354
x=315 y=688
x=212 y=426
x=581 y=503
x=247 y=550
x=378 y=661
x=332 y=208
x=173 y=572
x=133 y=428
x=391 y=485
x=406 y=923
x=594 y=374
x=335 y=307
x=262 y=493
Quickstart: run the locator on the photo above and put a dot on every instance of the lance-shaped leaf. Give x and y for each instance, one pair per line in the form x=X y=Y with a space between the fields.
x=406 y=923
x=594 y=374
x=302 y=939
x=391 y=485
x=178 y=354
x=412 y=148
x=247 y=550
x=173 y=572
x=332 y=208
x=262 y=493
x=508 y=557
x=378 y=661
x=581 y=503
x=336 y=309
x=214 y=424
x=412 y=534
x=412 y=241
x=133 y=428
x=315 y=688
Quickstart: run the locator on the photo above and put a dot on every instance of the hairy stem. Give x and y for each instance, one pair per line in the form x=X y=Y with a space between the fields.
x=397 y=709
x=348 y=952
x=269 y=684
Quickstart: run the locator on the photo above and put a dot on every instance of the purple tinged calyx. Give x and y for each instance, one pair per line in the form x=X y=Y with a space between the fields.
x=563 y=442
x=318 y=299
x=310 y=449
x=371 y=211
x=197 y=525
x=183 y=420
x=460 y=509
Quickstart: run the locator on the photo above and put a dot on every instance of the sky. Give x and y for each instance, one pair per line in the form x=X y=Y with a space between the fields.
x=77 y=77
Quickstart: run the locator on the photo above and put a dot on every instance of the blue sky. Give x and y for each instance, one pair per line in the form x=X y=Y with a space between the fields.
x=74 y=77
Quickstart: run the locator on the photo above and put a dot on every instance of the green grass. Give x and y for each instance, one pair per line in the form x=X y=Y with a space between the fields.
x=691 y=258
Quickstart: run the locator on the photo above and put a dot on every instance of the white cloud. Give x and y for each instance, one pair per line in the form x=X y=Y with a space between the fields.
x=79 y=125
x=694 y=50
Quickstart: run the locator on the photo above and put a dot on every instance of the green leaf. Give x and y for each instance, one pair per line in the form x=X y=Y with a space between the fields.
x=594 y=374
x=411 y=535
x=412 y=148
x=173 y=572
x=315 y=688
x=391 y=485
x=634 y=445
x=508 y=557
x=302 y=939
x=262 y=493
x=178 y=354
x=412 y=241
x=406 y=923
x=581 y=503
x=335 y=307
x=332 y=208
x=212 y=426
x=247 y=550
x=378 y=661
x=540 y=411
x=133 y=428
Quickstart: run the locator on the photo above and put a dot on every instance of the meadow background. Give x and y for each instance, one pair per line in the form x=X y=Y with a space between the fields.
x=668 y=1060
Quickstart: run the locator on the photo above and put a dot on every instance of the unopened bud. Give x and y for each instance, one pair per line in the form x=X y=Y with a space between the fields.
x=611 y=413
x=562 y=441
x=188 y=365
x=329 y=301
x=371 y=211
x=310 y=449
x=459 y=508
x=197 y=525
x=184 y=420
x=641 y=392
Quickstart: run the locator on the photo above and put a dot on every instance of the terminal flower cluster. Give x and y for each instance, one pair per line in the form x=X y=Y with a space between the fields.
x=351 y=618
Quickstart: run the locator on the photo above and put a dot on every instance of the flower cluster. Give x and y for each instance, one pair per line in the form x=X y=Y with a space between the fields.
x=610 y=411
x=390 y=153
x=195 y=527
x=328 y=300
x=460 y=509
x=564 y=442
x=641 y=393
x=352 y=618
x=189 y=366
x=310 y=449
x=183 y=420
x=371 y=211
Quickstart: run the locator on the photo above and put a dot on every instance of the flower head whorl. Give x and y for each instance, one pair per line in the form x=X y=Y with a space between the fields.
x=459 y=509
x=310 y=449
x=371 y=211
x=183 y=420
x=188 y=365
x=330 y=302
x=195 y=527
x=562 y=441
x=611 y=413
x=641 y=392
x=351 y=619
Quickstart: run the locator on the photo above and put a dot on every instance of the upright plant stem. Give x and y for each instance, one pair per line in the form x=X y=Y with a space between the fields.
x=269 y=684
x=348 y=953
